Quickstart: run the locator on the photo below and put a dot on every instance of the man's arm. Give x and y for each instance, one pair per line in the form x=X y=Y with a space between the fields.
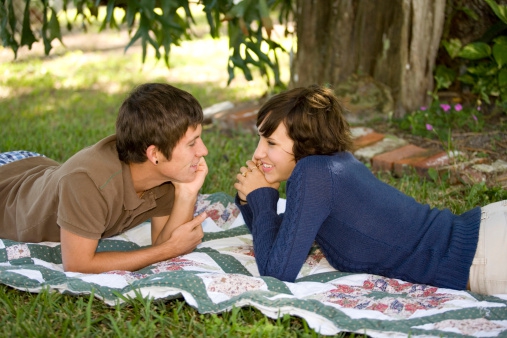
x=79 y=253
x=183 y=211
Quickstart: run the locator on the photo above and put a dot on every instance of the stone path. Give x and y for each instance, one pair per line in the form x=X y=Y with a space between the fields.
x=384 y=152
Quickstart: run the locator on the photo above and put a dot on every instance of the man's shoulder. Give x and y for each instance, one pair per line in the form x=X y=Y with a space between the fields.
x=104 y=149
x=99 y=161
x=95 y=168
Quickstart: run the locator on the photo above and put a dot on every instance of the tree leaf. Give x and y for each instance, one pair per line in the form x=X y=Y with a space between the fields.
x=161 y=24
x=452 y=47
x=256 y=48
x=467 y=78
x=8 y=39
x=230 y=70
x=136 y=37
x=236 y=11
x=54 y=27
x=109 y=16
x=265 y=18
x=475 y=51
x=483 y=69
x=500 y=10
x=243 y=26
x=500 y=54
x=208 y=9
x=147 y=9
x=501 y=40
x=130 y=12
x=239 y=62
x=469 y=12
x=444 y=76
x=45 y=38
x=502 y=80
x=27 y=37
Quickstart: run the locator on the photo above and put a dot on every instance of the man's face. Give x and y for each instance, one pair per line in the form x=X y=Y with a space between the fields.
x=185 y=157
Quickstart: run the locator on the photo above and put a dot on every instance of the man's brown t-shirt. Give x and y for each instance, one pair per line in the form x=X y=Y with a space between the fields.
x=91 y=195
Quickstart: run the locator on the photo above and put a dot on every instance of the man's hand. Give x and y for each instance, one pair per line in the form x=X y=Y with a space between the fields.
x=185 y=197
x=192 y=188
x=185 y=238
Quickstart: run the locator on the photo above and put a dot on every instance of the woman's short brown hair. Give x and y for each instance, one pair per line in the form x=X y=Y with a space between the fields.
x=313 y=117
x=154 y=114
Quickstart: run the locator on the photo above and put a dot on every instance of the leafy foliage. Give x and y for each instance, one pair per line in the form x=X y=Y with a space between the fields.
x=159 y=24
x=479 y=67
x=438 y=119
x=484 y=62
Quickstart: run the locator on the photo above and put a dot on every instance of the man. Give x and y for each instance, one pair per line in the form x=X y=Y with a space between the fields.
x=152 y=168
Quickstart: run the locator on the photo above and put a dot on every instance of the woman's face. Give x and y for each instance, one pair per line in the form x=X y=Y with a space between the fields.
x=274 y=155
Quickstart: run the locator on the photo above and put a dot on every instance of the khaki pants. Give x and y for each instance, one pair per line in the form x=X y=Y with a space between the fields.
x=488 y=273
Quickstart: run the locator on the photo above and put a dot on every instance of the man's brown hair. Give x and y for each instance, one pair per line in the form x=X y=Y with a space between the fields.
x=154 y=114
x=313 y=117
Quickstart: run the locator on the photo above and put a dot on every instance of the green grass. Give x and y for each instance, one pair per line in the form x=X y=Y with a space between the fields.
x=54 y=315
x=59 y=104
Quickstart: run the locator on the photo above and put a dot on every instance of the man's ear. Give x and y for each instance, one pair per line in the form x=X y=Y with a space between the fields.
x=152 y=154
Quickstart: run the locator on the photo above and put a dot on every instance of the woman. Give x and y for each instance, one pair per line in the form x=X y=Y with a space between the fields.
x=362 y=224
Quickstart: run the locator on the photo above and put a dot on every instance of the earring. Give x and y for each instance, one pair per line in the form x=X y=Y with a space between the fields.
x=156 y=162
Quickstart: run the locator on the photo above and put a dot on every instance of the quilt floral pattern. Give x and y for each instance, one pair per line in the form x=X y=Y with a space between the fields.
x=221 y=274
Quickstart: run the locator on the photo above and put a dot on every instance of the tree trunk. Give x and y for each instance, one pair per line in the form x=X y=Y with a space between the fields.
x=393 y=41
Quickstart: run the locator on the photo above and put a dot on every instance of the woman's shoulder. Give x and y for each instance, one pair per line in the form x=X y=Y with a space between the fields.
x=339 y=157
x=341 y=163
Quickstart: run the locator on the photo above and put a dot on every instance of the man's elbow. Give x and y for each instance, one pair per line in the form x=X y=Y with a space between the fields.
x=71 y=267
x=78 y=267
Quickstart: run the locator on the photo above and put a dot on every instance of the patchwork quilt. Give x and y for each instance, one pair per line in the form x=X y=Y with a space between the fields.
x=221 y=274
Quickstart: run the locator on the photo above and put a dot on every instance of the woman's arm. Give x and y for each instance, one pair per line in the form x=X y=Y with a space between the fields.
x=282 y=244
x=246 y=212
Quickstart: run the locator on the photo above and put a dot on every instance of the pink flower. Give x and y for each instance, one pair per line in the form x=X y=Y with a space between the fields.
x=474 y=117
x=429 y=126
x=445 y=107
x=458 y=107
x=423 y=108
x=479 y=108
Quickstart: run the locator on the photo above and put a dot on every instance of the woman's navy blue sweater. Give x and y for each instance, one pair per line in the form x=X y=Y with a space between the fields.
x=361 y=224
